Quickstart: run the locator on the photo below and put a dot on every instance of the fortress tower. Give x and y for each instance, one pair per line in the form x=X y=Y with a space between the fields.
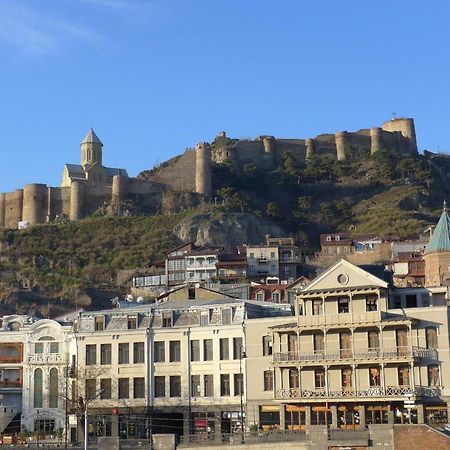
x=203 y=169
x=91 y=150
x=405 y=126
x=341 y=144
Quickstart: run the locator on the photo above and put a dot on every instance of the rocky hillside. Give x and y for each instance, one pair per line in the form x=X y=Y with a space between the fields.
x=57 y=267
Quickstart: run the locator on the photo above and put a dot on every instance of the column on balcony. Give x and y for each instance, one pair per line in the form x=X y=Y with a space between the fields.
x=308 y=415
x=380 y=341
x=390 y=415
x=334 y=416
x=412 y=381
x=326 y=380
x=362 y=415
x=420 y=414
x=298 y=344
x=355 y=390
x=350 y=303
x=383 y=381
x=352 y=331
x=282 y=417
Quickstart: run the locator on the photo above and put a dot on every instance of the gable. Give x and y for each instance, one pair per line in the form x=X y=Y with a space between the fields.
x=345 y=275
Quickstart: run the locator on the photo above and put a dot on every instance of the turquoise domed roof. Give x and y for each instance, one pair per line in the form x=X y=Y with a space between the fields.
x=440 y=240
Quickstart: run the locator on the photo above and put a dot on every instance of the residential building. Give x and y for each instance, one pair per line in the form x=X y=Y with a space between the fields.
x=358 y=349
x=201 y=264
x=176 y=264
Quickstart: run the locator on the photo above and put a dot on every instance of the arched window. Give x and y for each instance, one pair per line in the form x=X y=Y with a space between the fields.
x=37 y=388
x=53 y=388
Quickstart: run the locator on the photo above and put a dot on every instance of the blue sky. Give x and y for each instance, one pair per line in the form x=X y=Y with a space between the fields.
x=153 y=77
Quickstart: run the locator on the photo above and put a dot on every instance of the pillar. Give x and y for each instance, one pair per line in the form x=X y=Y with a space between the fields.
x=282 y=417
x=309 y=149
x=203 y=169
x=334 y=417
x=362 y=416
x=308 y=416
x=186 y=423
x=218 y=427
x=119 y=188
x=34 y=203
x=2 y=209
x=420 y=414
x=375 y=140
x=390 y=415
x=77 y=199
x=341 y=144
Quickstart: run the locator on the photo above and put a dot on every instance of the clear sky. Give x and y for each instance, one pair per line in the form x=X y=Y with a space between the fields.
x=153 y=77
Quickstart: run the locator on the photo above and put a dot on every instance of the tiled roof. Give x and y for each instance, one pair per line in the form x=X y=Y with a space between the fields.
x=440 y=240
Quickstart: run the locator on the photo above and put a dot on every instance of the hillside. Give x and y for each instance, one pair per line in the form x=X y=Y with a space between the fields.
x=57 y=267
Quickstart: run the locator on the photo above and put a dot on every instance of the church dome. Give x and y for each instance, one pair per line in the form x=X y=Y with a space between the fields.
x=440 y=240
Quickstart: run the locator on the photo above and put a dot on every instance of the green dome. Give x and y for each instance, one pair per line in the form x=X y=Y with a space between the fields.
x=440 y=240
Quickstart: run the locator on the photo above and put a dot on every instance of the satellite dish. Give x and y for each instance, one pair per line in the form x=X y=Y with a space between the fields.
x=197 y=285
x=140 y=299
x=130 y=298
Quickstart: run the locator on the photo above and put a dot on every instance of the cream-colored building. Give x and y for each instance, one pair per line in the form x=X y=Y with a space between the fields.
x=177 y=366
x=359 y=353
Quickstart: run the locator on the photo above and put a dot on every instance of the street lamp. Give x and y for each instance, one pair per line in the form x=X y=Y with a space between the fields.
x=38 y=427
x=70 y=373
x=242 y=356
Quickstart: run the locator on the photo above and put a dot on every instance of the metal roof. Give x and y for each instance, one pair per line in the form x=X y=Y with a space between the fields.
x=91 y=138
x=440 y=240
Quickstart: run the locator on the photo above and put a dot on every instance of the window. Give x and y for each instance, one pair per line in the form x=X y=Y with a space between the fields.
x=425 y=299
x=328 y=238
x=276 y=297
x=124 y=353
x=373 y=340
x=175 y=386
x=167 y=319
x=139 y=387
x=54 y=347
x=238 y=384
x=345 y=342
x=224 y=385
x=195 y=385
x=191 y=293
x=195 y=350
x=105 y=354
x=260 y=297
x=160 y=386
x=204 y=318
x=124 y=388
x=224 y=349
x=39 y=347
x=319 y=378
x=132 y=322
x=411 y=301
x=237 y=347
x=431 y=337
x=159 y=352
x=138 y=353
x=174 y=351
x=99 y=323
x=207 y=350
x=343 y=305
x=433 y=375
x=346 y=377
x=318 y=343
x=401 y=337
x=371 y=303
x=105 y=388
x=294 y=381
x=374 y=376
x=397 y=301
x=272 y=255
x=267 y=345
x=226 y=316
x=403 y=375
x=53 y=388
x=91 y=354
x=268 y=380
x=208 y=381
x=90 y=388
x=252 y=254
x=317 y=308
x=38 y=389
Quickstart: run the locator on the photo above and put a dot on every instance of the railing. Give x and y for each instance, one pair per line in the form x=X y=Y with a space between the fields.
x=10 y=359
x=372 y=391
x=10 y=384
x=339 y=319
x=346 y=354
x=38 y=358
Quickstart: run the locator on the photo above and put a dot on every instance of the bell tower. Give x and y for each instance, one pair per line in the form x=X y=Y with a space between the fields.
x=91 y=150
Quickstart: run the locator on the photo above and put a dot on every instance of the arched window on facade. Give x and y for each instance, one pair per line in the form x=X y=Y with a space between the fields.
x=53 y=388
x=38 y=389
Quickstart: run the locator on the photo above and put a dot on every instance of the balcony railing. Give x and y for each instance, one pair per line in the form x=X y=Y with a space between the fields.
x=10 y=384
x=339 y=319
x=346 y=354
x=372 y=391
x=38 y=358
x=10 y=359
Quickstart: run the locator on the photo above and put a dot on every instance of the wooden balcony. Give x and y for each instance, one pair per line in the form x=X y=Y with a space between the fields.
x=370 y=392
x=347 y=355
x=346 y=319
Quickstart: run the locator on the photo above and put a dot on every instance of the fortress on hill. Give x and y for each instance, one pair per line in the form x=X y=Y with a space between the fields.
x=88 y=185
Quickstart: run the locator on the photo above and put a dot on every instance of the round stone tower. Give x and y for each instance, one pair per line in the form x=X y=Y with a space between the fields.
x=341 y=144
x=203 y=183
x=34 y=203
x=77 y=200
x=2 y=209
x=119 y=188
x=309 y=143
x=91 y=150
x=437 y=254
x=404 y=125
x=375 y=140
x=269 y=144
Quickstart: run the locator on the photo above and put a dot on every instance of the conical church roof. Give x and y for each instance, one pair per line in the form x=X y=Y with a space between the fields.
x=91 y=137
x=440 y=240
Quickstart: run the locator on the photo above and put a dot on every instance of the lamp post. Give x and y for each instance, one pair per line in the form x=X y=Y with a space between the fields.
x=242 y=356
x=38 y=427
x=70 y=373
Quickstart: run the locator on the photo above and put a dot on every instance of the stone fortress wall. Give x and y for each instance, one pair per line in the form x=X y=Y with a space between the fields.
x=192 y=171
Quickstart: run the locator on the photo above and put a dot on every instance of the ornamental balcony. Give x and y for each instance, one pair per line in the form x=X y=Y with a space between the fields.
x=43 y=358
x=348 y=319
x=370 y=392
x=347 y=355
